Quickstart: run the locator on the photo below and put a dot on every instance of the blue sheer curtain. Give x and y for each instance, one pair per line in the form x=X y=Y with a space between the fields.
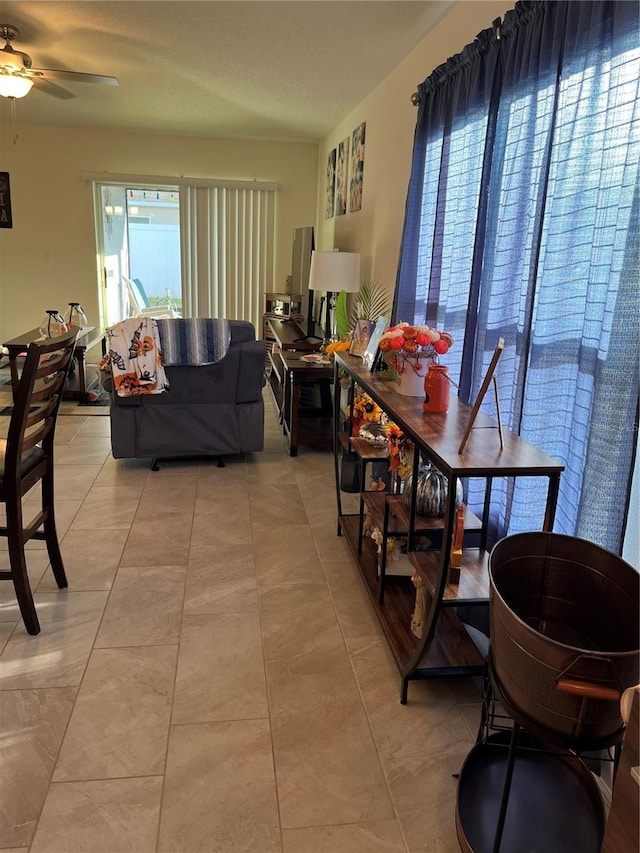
x=532 y=235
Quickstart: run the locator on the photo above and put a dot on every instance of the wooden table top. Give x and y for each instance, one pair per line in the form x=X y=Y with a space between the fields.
x=88 y=337
x=290 y=336
x=297 y=362
x=442 y=433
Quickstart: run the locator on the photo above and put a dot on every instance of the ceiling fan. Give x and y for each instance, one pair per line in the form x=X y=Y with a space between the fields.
x=17 y=76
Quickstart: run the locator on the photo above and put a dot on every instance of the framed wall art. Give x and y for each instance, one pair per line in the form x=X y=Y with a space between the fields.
x=357 y=167
x=6 y=220
x=330 y=185
x=342 y=164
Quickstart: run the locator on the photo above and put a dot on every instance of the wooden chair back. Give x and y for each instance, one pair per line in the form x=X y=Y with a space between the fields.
x=26 y=457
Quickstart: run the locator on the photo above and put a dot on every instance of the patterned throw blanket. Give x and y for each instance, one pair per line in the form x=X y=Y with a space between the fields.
x=135 y=357
x=196 y=340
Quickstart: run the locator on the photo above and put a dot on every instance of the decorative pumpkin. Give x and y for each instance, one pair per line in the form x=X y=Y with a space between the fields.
x=432 y=492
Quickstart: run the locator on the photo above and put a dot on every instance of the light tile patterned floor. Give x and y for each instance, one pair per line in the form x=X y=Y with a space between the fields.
x=214 y=679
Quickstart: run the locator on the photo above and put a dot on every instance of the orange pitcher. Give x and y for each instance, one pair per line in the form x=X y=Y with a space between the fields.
x=436 y=389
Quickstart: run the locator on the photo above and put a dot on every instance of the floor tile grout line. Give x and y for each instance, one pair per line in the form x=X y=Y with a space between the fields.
x=333 y=589
x=364 y=706
x=75 y=703
x=173 y=691
x=266 y=679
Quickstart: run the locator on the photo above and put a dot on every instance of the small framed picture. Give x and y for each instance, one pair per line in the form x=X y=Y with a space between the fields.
x=371 y=350
x=361 y=337
x=330 y=187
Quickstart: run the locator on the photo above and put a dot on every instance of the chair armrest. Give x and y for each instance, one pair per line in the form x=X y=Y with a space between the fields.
x=251 y=375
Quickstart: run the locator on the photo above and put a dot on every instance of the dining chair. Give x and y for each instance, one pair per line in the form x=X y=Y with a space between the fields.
x=26 y=457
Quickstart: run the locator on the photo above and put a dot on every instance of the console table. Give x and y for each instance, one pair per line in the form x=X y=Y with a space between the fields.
x=294 y=381
x=289 y=335
x=88 y=337
x=306 y=422
x=445 y=647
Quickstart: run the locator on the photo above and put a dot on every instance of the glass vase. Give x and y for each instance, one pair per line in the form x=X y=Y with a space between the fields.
x=76 y=315
x=53 y=324
x=437 y=388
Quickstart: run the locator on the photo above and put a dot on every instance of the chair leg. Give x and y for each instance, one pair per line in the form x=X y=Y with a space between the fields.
x=19 y=571
x=51 y=534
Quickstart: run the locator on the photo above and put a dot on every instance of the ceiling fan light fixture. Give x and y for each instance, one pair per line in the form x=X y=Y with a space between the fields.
x=14 y=85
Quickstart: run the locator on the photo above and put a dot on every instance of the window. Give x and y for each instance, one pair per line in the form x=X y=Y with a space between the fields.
x=228 y=250
x=522 y=222
x=139 y=227
x=206 y=248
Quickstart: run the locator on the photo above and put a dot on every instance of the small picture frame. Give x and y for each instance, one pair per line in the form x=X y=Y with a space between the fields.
x=488 y=377
x=370 y=353
x=361 y=337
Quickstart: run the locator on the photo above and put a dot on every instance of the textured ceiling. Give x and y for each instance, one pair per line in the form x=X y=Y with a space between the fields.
x=239 y=68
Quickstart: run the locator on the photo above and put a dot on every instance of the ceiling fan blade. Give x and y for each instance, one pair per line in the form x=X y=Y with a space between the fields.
x=77 y=76
x=51 y=89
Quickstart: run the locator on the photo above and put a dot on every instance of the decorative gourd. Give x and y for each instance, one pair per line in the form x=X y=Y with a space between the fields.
x=374 y=433
x=432 y=492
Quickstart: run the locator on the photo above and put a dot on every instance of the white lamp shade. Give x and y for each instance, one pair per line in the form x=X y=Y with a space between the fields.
x=335 y=271
x=14 y=85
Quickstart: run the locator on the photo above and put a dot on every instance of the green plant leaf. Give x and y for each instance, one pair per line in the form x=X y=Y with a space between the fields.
x=371 y=301
x=342 y=316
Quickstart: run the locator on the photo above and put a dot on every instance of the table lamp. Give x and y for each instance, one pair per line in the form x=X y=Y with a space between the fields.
x=334 y=273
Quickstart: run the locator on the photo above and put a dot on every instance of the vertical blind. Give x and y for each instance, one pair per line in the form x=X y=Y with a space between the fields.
x=522 y=222
x=227 y=236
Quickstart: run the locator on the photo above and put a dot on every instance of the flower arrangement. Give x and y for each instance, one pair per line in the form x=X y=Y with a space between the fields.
x=405 y=346
x=365 y=410
x=337 y=346
x=401 y=450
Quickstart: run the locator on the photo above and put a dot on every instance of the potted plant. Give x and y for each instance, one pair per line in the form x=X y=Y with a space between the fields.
x=370 y=302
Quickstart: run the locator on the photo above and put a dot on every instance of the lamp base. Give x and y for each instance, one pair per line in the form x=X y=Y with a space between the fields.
x=307 y=338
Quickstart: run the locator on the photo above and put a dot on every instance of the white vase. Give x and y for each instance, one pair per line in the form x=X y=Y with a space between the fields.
x=412 y=382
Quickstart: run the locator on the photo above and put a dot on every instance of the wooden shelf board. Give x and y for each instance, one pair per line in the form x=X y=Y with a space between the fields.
x=367 y=451
x=374 y=502
x=343 y=438
x=399 y=508
x=451 y=646
x=474 y=575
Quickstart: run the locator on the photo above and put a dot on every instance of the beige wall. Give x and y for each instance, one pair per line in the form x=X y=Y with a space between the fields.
x=376 y=230
x=48 y=258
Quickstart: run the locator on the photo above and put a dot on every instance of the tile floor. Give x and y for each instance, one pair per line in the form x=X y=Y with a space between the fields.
x=214 y=678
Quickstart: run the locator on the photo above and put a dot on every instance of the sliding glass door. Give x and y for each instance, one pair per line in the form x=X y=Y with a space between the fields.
x=203 y=249
x=139 y=240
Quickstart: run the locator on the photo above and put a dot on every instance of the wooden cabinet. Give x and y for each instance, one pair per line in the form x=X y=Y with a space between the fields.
x=446 y=646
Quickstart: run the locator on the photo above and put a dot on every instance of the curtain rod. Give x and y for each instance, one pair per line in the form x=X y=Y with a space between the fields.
x=496 y=24
x=174 y=181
